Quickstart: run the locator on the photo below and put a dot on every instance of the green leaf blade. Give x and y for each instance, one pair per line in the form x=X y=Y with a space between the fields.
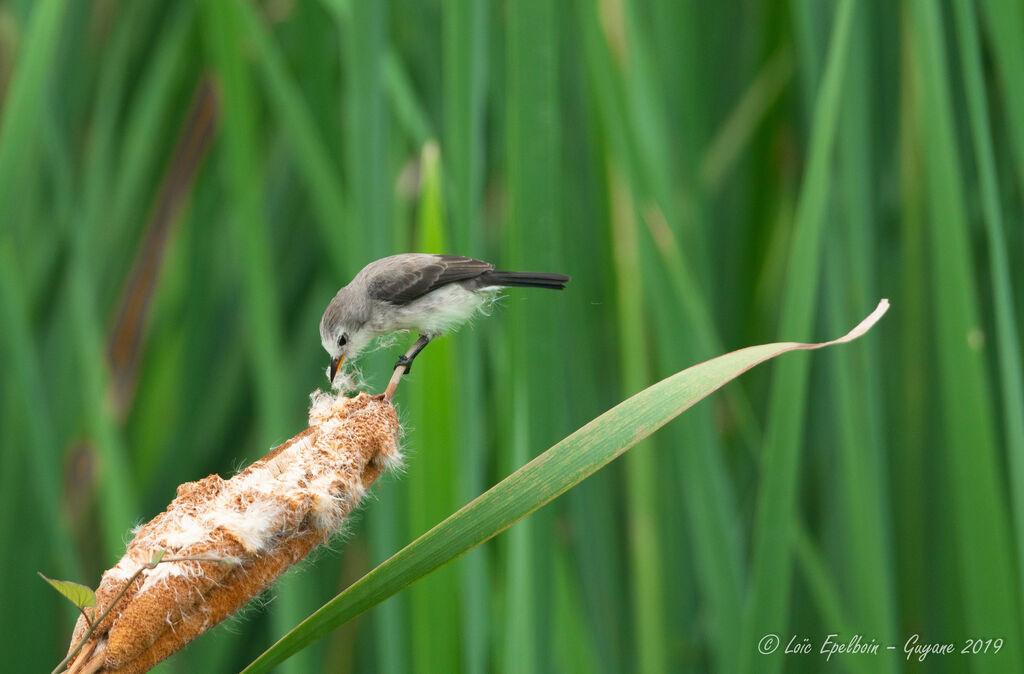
x=534 y=485
x=979 y=507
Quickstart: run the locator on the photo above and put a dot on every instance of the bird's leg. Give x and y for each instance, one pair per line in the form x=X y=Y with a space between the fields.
x=403 y=365
x=410 y=355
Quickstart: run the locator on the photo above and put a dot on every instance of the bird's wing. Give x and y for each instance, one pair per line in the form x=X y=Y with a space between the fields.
x=409 y=279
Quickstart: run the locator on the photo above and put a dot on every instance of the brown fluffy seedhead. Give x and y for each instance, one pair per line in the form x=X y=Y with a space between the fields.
x=248 y=530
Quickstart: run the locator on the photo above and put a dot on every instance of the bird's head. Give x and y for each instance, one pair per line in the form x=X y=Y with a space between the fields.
x=344 y=330
x=337 y=339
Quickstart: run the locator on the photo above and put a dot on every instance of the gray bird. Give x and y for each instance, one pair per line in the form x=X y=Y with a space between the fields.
x=430 y=294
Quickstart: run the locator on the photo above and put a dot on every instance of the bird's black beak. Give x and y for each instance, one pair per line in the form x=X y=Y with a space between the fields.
x=335 y=364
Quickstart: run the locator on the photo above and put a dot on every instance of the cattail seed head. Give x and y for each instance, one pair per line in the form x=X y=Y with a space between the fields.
x=246 y=531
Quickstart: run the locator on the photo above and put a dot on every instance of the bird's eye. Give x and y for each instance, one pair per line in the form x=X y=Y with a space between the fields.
x=343 y=340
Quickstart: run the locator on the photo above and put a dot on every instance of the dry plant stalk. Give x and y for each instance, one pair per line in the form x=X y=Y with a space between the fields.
x=261 y=521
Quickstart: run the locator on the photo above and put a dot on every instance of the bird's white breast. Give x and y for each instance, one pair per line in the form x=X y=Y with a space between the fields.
x=436 y=312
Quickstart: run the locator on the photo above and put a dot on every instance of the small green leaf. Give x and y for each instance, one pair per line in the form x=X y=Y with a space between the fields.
x=79 y=595
x=157 y=556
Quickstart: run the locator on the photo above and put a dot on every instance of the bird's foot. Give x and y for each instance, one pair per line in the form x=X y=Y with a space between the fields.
x=406 y=362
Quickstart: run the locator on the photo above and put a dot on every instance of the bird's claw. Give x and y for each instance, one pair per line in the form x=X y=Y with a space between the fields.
x=406 y=362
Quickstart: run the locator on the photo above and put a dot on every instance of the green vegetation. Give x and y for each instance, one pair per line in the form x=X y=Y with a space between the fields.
x=184 y=185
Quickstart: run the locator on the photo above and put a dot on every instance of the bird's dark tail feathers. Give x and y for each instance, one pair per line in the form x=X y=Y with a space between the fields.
x=524 y=279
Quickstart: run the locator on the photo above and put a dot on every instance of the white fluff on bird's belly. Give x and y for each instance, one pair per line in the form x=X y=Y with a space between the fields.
x=438 y=312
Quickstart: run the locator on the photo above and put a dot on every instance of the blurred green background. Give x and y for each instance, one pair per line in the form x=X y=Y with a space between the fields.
x=183 y=187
